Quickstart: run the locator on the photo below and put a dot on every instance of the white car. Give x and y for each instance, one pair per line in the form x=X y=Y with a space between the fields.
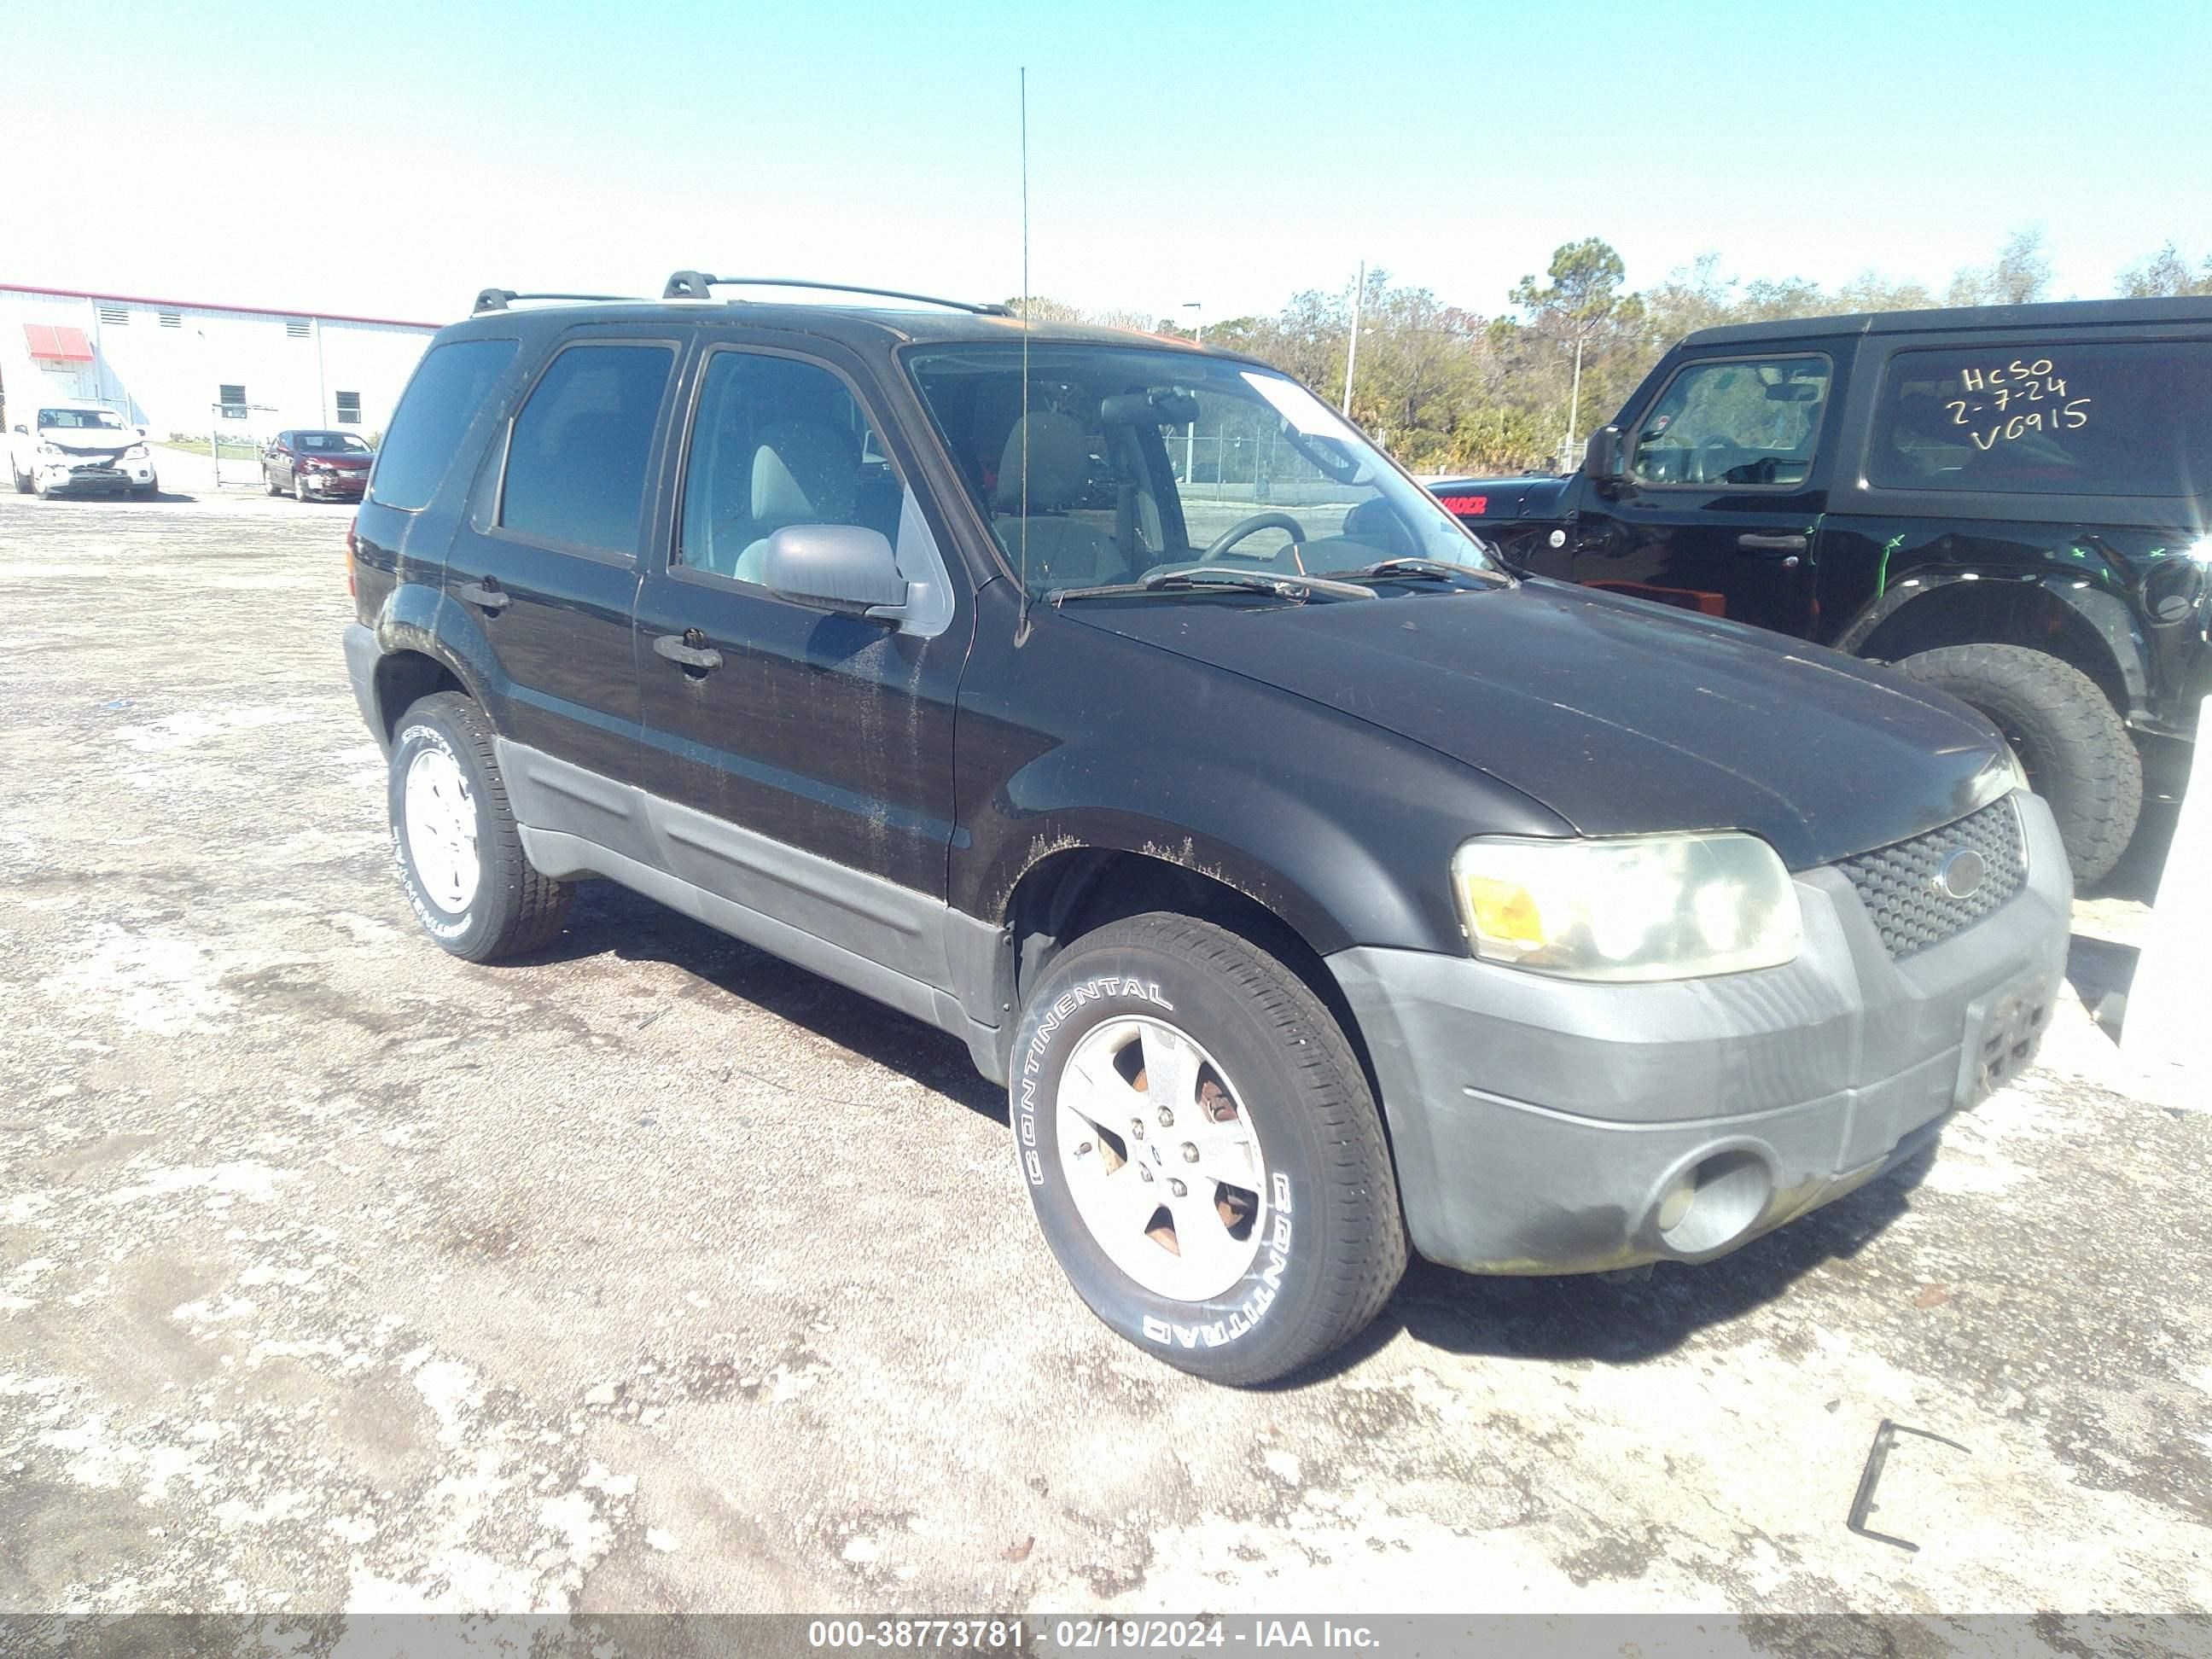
x=80 y=446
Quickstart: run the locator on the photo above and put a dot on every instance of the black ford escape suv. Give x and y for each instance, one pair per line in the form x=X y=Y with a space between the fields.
x=1313 y=883
x=2013 y=503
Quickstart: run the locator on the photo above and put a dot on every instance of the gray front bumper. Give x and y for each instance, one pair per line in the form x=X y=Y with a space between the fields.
x=1539 y=1123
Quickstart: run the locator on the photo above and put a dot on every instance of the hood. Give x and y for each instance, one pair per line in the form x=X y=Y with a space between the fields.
x=83 y=440
x=1475 y=502
x=1620 y=716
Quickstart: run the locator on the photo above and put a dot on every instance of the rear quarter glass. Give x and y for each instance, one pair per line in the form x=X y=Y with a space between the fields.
x=442 y=399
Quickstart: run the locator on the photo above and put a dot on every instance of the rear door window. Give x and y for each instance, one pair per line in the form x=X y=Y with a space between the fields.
x=1742 y=423
x=452 y=382
x=2112 y=418
x=576 y=460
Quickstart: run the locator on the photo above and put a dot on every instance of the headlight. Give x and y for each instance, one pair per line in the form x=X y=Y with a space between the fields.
x=136 y=452
x=1636 y=907
x=52 y=452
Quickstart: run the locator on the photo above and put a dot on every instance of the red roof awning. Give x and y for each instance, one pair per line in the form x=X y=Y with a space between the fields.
x=66 y=345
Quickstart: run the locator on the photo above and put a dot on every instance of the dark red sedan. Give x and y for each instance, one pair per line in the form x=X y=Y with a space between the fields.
x=317 y=465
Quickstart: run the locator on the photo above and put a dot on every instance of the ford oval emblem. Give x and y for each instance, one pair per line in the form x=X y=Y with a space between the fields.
x=1960 y=876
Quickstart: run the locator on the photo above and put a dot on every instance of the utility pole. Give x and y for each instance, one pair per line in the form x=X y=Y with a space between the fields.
x=1574 y=411
x=1352 y=351
x=1190 y=432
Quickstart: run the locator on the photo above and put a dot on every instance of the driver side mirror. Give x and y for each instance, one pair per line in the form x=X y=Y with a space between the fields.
x=21 y=430
x=843 y=567
x=1601 y=459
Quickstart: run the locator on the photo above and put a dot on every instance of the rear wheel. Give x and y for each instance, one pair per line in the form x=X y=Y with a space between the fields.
x=454 y=840
x=1202 y=1150
x=2070 y=740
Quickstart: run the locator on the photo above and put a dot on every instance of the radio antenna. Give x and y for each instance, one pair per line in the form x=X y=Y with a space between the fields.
x=1021 y=622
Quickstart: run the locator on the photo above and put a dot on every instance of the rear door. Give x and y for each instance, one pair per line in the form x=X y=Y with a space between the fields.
x=545 y=562
x=1725 y=473
x=824 y=741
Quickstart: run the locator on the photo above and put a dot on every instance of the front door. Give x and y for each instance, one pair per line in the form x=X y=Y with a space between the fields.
x=545 y=566
x=824 y=741
x=1718 y=509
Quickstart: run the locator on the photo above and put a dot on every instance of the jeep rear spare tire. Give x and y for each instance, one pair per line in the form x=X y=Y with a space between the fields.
x=1202 y=1150
x=2070 y=740
x=454 y=840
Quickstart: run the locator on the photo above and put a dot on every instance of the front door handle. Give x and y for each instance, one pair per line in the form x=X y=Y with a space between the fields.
x=690 y=648
x=488 y=594
x=1772 y=544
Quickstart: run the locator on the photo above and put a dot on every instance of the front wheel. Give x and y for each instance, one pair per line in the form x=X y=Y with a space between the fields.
x=21 y=480
x=454 y=840
x=1202 y=1150
x=2071 y=742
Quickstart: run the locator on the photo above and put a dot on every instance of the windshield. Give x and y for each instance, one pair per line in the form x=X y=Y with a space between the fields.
x=1142 y=461
x=103 y=420
x=331 y=443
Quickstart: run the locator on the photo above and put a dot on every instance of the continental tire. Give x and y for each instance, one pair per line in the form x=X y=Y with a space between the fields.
x=1166 y=1059
x=453 y=839
x=2077 y=753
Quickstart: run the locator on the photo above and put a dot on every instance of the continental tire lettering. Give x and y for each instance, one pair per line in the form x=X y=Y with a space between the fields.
x=1091 y=990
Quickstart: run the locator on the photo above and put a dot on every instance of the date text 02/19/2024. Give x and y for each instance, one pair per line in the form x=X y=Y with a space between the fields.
x=987 y=1634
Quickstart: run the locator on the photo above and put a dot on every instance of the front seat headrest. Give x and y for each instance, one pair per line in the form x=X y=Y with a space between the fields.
x=1059 y=457
x=804 y=473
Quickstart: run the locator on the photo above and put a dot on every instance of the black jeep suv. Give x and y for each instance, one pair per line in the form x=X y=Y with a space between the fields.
x=2013 y=503
x=1313 y=883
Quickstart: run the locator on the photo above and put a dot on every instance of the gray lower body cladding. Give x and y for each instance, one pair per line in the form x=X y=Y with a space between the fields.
x=1543 y=1126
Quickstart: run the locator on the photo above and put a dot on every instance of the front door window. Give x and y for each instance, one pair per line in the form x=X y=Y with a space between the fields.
x=1745 y=423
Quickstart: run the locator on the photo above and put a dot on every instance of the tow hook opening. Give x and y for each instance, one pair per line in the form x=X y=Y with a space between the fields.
x=1713 y=1202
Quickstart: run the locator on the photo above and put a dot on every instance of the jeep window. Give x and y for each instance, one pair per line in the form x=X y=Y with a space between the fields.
x=776 y=442
x=1143 y=460
x=576 y=460
x=2061 y=419
x=1742 y=423
x=104 y=420
x=443 y=397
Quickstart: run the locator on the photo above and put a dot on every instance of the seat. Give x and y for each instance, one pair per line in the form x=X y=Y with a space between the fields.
x=803 y=472
x=1062 y=552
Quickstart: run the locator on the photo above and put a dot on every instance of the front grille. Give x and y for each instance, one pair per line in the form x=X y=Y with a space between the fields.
x=1900 y=887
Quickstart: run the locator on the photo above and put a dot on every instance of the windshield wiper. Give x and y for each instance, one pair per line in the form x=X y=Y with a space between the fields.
x=1282 y=584
x=1441 y=567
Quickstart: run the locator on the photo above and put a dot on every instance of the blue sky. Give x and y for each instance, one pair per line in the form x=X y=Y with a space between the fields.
x=392 y=158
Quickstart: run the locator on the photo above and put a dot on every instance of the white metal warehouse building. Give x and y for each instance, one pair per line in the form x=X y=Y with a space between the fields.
x=182 y=367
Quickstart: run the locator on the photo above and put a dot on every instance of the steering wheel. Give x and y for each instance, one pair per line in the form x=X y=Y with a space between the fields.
x=1243 y=527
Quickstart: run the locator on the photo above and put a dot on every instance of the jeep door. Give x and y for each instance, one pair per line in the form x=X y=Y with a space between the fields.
x=545 y=565
x=1718 y=506
x=808 y=754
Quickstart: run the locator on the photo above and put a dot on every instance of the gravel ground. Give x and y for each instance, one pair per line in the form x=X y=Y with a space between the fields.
x=334 y=1272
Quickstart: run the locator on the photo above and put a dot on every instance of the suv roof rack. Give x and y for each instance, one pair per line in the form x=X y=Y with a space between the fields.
x=498 y=298
x=698 y=285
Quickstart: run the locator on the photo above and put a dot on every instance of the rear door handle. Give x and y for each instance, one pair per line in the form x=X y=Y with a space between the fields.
x=486 y=594
x=1773 y=544
x=679 y=648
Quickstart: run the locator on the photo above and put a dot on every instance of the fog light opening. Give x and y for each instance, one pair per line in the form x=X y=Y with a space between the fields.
x=1713 y=1203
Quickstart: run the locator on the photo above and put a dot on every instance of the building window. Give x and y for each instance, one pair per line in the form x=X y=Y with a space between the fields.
x=232 y=400
x=296 y=327
x=114 y=317
x=170 y=320
x=349 y=408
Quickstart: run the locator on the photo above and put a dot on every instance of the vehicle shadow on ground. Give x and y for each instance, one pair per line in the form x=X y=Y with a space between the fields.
x=1581 y=1316
x=608 y=919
